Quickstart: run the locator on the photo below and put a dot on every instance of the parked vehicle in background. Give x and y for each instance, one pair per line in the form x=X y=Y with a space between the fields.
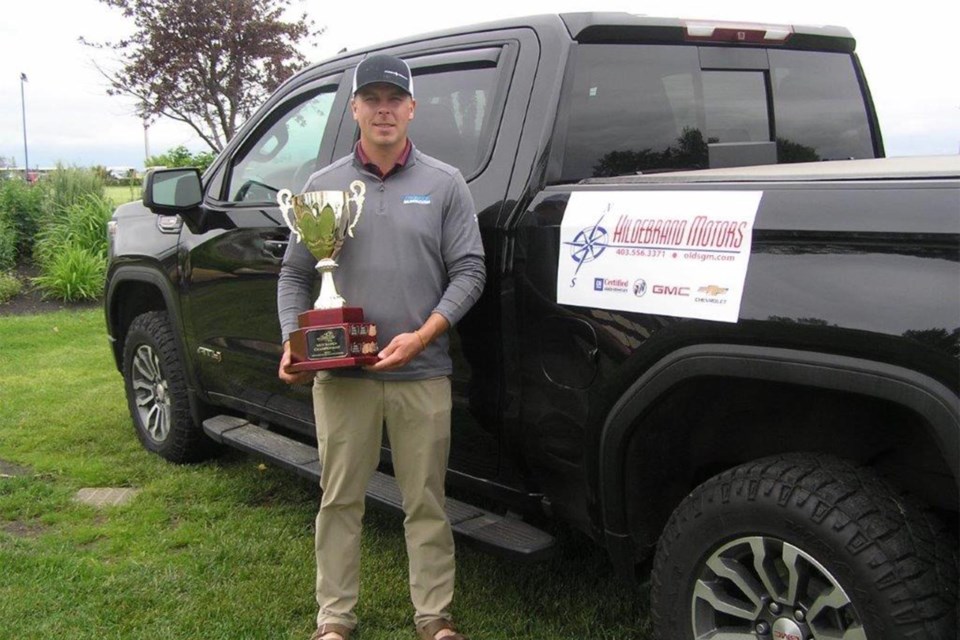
x=748 y=374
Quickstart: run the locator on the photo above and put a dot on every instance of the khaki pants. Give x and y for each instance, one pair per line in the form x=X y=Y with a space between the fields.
x=350 y=413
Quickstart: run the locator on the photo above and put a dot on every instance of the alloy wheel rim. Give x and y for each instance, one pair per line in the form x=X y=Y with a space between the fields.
x=763 y=587
x=152 y=393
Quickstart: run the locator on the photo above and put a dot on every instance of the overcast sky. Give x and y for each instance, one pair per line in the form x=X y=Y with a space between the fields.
x=908 y=54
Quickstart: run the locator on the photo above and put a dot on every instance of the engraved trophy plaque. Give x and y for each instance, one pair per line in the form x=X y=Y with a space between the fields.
x=331 y=335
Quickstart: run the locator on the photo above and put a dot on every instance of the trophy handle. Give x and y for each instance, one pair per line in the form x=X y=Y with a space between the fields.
x=359 y=189
x=285 y=202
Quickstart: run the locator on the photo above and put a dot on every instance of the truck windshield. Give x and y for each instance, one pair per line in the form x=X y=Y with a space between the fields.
x=649 y=108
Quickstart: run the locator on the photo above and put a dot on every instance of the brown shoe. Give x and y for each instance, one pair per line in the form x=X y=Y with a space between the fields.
x=332 y=627
x=429 y=631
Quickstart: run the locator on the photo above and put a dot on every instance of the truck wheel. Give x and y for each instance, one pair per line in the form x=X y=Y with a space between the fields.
x=157 y=391
x=800 y=547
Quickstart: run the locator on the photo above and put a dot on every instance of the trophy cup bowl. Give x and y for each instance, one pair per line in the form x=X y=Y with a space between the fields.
x=332 y=335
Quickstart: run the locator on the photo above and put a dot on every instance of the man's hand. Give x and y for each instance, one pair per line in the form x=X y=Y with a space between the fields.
x=292 y=377
x=406 y=346
x=401 y=350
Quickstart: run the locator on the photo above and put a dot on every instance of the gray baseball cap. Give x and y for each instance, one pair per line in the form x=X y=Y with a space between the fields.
x=383 y=68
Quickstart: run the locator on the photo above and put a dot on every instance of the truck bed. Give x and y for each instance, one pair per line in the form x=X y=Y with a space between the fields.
x=906 y=168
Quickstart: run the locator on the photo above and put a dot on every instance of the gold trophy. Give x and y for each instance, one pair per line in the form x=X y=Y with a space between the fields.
x=331 y=335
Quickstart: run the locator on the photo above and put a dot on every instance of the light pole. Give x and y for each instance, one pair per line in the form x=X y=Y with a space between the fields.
x=145 y=116
x=146 y=142
x=23 y=107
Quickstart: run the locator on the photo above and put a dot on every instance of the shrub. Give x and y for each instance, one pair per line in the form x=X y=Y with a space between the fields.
x=181 y=157
x=10 y=286
x=73 y=274
x=70 y=185
x=82 y=224
x=22 y=205
x=8 y=244
x=72 y=251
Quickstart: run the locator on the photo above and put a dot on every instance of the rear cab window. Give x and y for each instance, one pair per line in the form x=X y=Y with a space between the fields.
x=645 y=108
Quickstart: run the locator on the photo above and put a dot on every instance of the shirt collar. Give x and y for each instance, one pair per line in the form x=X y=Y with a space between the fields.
x=370 y=166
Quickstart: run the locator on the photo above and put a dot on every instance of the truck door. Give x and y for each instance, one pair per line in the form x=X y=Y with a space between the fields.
x=472 y=93
x=231 y=264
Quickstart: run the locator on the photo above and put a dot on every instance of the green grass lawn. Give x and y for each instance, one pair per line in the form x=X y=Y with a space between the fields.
x=222 y=549
x=122 y=194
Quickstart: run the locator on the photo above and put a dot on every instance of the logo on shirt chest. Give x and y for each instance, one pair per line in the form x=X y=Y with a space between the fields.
x=415 y=199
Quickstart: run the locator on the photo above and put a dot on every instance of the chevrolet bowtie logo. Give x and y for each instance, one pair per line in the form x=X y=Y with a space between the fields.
x=713 y=290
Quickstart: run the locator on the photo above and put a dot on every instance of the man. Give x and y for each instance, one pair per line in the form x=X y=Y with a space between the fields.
x=415 y=266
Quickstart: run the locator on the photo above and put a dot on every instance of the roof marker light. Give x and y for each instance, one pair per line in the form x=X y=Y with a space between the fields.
x=700 y=30
x=777 y=33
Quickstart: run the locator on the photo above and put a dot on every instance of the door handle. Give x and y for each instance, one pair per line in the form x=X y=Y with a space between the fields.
x=276 y=248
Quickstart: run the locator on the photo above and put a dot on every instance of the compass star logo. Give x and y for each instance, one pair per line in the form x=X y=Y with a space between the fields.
x=588 y=245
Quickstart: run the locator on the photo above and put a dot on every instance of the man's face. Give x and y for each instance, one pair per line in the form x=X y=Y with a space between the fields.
x=383 y=112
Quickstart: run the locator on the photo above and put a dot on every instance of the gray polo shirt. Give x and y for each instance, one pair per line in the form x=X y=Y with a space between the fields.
x=415 y=251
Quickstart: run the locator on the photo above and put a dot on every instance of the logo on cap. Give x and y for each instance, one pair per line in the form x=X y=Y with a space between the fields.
x=383 y=68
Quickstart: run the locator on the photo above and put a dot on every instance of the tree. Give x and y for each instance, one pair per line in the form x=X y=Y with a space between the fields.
x=181 y=157
x=206 y=63
x=789 y=151
x=690 y=152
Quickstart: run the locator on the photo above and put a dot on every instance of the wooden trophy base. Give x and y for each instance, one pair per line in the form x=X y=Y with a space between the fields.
x=332 y=339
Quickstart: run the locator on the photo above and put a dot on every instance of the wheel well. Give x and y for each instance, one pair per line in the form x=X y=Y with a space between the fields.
x=706 y=425
x=130 y=299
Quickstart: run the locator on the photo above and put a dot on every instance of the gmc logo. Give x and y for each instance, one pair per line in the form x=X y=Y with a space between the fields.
x=666 y=290
x=780 y=635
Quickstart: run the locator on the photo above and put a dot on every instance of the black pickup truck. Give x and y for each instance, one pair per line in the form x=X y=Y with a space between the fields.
x=748 y=374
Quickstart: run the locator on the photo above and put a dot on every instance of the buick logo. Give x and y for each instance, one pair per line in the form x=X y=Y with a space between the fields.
x=639 y=287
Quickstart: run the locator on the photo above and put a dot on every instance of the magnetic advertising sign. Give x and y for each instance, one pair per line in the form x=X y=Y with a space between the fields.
x=673 y=253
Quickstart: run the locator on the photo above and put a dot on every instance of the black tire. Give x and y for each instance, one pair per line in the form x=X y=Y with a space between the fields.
x=885 y=567
x=157 y=391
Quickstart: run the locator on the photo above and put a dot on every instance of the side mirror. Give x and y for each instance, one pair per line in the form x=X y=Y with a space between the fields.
x=170 y=191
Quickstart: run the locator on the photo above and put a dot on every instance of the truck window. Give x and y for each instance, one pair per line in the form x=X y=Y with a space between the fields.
x=284 y=154
x=735 y=106
x=649 y=108
x=819 y=107
x=460 y=97
x=622 y=119
x=454 y=113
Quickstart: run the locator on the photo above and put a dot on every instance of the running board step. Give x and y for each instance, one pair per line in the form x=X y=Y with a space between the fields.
x=487 y=530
